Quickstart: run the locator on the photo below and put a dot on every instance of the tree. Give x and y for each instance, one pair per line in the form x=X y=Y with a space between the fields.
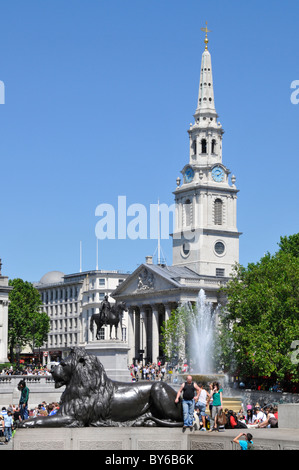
x=174 y=333
x=290 y=245
x=262 y=309
x=27 y=323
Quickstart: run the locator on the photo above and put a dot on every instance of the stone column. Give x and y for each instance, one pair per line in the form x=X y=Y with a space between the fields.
x=4 y=301
x=3 y=330
x=131 y=334
x=90 y=336
x=143 y=331
x=167 y=312
x=155 y=333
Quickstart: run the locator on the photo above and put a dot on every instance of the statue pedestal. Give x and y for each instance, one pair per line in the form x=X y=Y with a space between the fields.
x=113 y=354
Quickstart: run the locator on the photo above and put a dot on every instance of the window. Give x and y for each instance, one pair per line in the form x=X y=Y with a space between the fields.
x=185 y=249
x=203 y=146
x=123 y=334
x=219 y=248
x=220 y=272
x=188 y=212
x=102 y=333
x=101 y=282
x=213 y=146
x=194 y=147
x=218 y=212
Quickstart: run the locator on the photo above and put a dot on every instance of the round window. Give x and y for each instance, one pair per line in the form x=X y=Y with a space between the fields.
x=219 y=248
x=186 y=249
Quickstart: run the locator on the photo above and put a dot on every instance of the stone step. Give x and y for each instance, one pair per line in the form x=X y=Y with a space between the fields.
x=231 y=403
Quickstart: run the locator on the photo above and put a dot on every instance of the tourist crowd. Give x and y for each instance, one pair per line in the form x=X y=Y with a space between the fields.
x=11 y=416
x=252 y=417
x=151 y=371
x=29 y=370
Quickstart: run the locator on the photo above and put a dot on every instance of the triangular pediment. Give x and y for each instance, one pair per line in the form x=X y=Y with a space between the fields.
x=146 y=278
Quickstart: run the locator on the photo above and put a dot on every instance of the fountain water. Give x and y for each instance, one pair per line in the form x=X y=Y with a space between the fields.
x=201 y=337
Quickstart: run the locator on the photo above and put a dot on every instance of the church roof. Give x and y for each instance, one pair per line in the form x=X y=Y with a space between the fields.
x=144 y=277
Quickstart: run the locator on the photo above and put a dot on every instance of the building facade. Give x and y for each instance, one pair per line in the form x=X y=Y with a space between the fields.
x=70 y=301
x=4 y=301
x=205 y=240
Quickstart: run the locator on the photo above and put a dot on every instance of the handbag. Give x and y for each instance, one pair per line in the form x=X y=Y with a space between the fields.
x=221 y=418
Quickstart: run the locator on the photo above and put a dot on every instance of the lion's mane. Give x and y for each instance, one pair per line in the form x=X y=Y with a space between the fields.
x=87 y=396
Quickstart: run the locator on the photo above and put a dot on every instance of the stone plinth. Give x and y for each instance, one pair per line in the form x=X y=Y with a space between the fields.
x=288 y=415
x=154 y=440
x=113 y=355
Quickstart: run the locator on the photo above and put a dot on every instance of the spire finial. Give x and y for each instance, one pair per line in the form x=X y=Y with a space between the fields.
x=206 y=30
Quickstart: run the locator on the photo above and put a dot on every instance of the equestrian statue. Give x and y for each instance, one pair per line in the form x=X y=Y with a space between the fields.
x=108 y=315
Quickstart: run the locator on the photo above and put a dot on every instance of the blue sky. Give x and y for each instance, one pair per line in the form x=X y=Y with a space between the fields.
x=98 y=99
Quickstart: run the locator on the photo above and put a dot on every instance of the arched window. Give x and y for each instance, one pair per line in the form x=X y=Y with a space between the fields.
x=213 y=146
x=188 y=212
x=218 y=212
x=194 y=147
x=203 y=146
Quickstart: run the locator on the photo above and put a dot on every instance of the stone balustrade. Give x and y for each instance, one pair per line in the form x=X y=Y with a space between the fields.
x=42 y=388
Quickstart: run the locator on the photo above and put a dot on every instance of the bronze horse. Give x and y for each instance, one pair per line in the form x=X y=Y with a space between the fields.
x=114 y=316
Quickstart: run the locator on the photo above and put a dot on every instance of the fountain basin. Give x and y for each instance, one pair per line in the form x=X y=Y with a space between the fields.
x=204 y=379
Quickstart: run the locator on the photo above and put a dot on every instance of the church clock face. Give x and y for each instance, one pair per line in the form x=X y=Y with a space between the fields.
x=189 y=175
x=218 y=174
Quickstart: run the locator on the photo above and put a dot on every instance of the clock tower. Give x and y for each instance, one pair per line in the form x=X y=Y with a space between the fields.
x=205 y=237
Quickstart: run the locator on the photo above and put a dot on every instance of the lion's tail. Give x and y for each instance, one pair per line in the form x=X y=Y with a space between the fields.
x=168 y=424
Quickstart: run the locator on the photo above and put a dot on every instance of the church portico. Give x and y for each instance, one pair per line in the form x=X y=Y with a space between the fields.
x=144 y=332
x=150 y=294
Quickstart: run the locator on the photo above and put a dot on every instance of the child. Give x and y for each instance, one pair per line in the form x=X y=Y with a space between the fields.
x=8 y=426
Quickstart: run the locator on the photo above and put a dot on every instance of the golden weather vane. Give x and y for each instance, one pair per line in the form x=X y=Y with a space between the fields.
x=206 y=30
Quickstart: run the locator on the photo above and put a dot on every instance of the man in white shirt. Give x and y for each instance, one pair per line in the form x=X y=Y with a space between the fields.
x=258 y=416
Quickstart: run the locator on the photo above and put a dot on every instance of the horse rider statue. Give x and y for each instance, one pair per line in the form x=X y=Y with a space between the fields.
x=105 y=309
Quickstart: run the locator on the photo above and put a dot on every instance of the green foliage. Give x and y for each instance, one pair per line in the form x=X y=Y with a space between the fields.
x=174 y=334
x=262 y=311
x=5 y=365
x=27 y=323
x=290 y=245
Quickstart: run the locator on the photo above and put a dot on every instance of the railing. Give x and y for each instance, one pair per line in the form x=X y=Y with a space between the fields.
x=30 y=379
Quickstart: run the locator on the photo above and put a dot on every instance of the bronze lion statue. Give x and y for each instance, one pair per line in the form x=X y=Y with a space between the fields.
x=90 y=398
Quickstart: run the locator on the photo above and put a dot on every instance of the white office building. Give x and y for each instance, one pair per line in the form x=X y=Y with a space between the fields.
x=70 y=301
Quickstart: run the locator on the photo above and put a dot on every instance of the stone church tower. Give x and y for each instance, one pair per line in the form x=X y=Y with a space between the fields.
x=206 y=238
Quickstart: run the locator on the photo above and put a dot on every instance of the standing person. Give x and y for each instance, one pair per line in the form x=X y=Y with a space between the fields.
x=188 y=388
x=1 y=426
x=8 y=426
x=217 y=403
x=201 y=404
x=245 y=444
x=23 y=403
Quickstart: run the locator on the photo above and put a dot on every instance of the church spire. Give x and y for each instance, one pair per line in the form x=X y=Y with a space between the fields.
x=206 y=103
